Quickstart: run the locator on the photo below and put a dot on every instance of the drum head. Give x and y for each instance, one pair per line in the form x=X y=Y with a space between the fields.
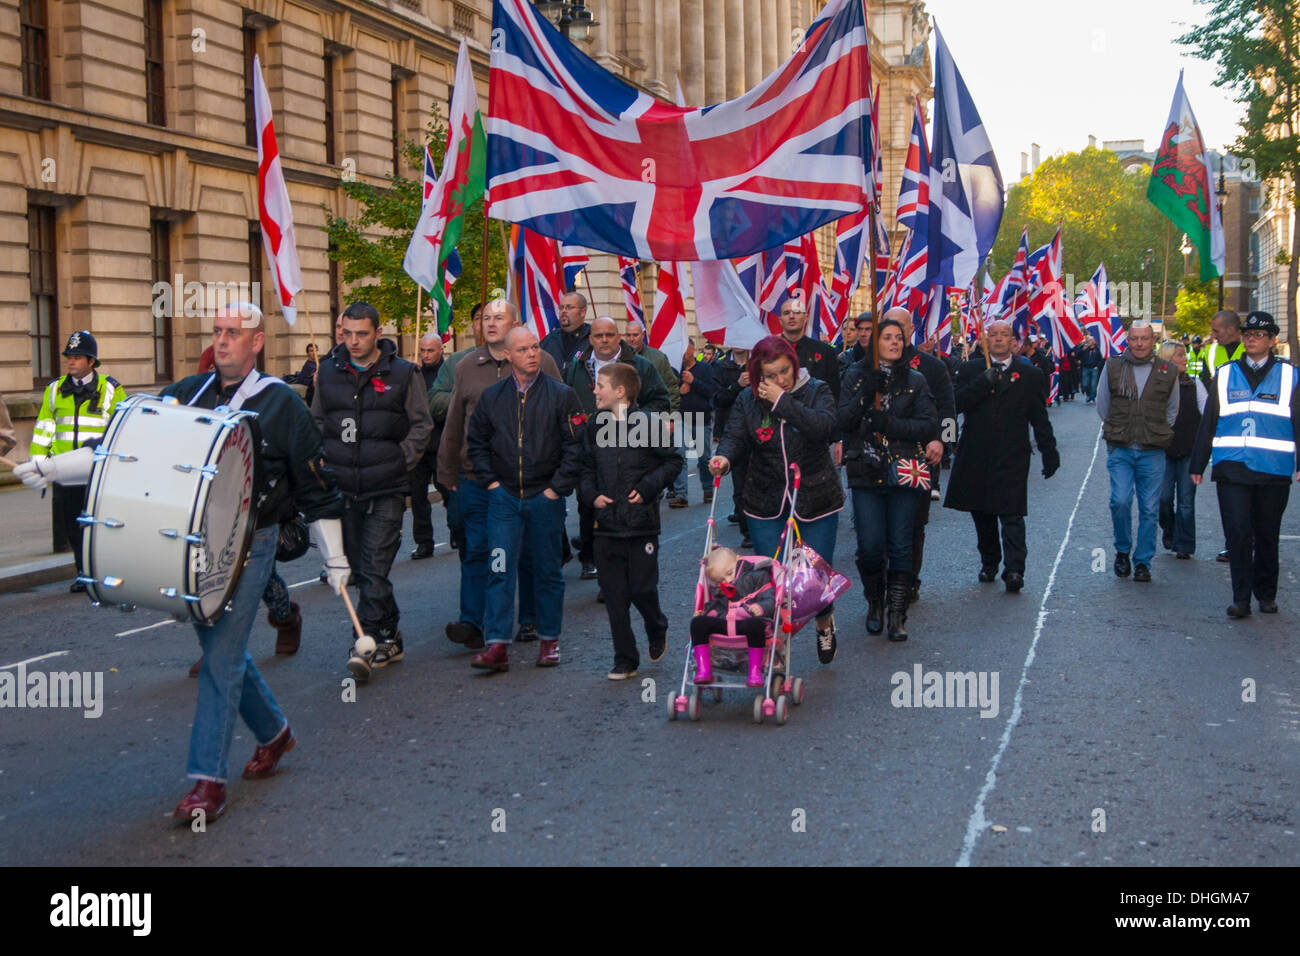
x=224 y=516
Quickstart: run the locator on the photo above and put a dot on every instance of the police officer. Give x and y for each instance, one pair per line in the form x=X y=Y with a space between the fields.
x=1250 y=431
x=74 y=412
x=1226 y=347
x=1195 y=358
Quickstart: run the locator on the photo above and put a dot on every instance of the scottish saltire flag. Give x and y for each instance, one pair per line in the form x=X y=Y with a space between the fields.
x=914 y=191
x=534 y=279
x=627 y=273
x=1097 y=314
x=965 y=182
x=577 y=153
x=575 y=260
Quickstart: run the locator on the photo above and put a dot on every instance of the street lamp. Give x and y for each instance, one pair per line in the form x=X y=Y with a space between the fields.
x=1222 y=193
x=572 y=17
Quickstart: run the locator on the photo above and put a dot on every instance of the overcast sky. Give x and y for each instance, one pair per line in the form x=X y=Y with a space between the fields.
x=1051 y=72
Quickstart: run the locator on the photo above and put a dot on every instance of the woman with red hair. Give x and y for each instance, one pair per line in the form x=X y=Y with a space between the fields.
x=786 y=418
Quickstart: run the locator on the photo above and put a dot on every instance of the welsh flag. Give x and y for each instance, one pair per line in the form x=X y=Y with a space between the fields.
x=464 y=174
x=1182 y=185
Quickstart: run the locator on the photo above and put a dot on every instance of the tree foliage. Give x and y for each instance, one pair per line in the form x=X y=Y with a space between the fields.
x=370 y=247
x=1256 y=46
x=1104 y=217
x=1196 y=304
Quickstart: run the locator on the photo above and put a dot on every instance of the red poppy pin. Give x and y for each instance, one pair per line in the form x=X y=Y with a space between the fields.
x=1015 y=376
x=764 y=434
x=916 y=361
x=817 y=356
x=577 y=419
x=1164 y=368
x=379 y=385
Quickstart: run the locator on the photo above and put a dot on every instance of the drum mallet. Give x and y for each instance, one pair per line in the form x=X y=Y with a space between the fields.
x=365 y=643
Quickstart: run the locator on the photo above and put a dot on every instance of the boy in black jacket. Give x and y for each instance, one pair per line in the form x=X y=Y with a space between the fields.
x=628 y=459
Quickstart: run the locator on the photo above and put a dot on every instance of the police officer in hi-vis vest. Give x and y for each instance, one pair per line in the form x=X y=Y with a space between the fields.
x=74 y=412
x=1250 y=431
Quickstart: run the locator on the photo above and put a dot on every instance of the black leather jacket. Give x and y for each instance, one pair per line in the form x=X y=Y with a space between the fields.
x=527 y=441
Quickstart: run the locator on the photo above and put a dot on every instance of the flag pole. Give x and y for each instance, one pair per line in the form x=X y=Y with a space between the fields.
x=483 y=285
x=1164 y=285
x=418 y=291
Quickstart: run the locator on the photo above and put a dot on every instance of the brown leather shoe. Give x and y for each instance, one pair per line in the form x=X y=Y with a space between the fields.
x=265 y=757
x=208 y=796
x=288 y=633
x=194 y=668
x=495 y=658
x=548 y=653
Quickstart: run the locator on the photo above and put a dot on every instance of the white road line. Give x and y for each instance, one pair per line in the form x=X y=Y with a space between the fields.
x=977 y=823
x=147 y=627
x=33 y=660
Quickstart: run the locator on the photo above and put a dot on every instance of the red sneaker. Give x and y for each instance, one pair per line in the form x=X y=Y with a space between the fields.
x=266 y=757
x=495 y=658
x=208 y=796
x=548 y=653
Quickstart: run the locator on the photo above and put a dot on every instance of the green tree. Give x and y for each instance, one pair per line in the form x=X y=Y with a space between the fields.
x=1196 y=304
x=1104 y=217
x=1256 y=46
x=371 y=246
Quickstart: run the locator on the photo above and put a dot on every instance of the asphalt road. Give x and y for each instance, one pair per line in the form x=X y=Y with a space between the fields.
x=1121 y=734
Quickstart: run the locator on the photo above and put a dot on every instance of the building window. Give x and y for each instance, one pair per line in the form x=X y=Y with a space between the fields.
x=44 y=306
x=155 y=81
x=336 y=287
x=398 y=128
x=255 y=252
x=36 y=48
x=330 y=155
x=160 y=261
x=250 y=116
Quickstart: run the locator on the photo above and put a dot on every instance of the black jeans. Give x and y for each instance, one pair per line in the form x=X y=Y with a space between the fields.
x=70 y=501
x=919 y=521
x=586 y=532
x=1252 y=521
x=1012 y=545
x=628 y=573
x=421 y=511
x=372 y=530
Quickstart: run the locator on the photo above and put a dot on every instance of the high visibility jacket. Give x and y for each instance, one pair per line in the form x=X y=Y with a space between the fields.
x=1217 y=356
x=1195 y=362
x=1255 y=424
x=64 y=425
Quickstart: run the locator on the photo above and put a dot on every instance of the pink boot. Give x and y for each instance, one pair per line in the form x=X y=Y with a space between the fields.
x=755 y=667
x=703 y=664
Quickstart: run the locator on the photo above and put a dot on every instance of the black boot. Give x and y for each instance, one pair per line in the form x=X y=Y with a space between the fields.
x=873 y=583
x=900 y=583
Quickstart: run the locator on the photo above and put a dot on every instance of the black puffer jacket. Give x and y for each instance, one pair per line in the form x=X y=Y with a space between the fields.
x=799 y=429
x=907 y=419
x=374 y=430
x=726 y=374
x=528 y=442
x=619 y=457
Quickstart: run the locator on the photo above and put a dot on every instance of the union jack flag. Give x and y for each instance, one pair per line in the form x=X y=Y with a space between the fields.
x=914 y=191
x=627 y=273
x=913 y=473
x=850 y=237
x=576 y=153
x=575 y=260
x=883 y=264
x=878 y=165
x=1098 y=314
x=534 y=279
x=1051 y=313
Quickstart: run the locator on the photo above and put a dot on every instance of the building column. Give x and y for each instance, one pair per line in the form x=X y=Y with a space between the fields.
x=735 y=43
x=784 y=27
x=668 y=40
x=772 y=44
x=693 y=61
x=753 y=43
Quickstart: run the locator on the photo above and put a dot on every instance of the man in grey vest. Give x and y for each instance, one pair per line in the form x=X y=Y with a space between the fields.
x=1137 y=399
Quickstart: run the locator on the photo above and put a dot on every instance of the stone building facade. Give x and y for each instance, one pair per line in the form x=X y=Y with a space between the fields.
x=127 y=156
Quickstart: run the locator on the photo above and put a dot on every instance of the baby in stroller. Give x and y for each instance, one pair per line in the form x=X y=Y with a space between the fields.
x=741 y=600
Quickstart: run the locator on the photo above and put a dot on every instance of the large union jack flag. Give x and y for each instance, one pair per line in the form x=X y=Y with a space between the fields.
x=535 y=279
x=578 y=154
x=1098 y=315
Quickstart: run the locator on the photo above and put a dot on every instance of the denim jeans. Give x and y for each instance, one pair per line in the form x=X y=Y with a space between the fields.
x=230 y=685
x=1137 y=471
x=472 y=513
x=517 y=527
x=882 y=518
x=768 y=535
x=372 y=531
x=1090 y=377
x=1178 y=504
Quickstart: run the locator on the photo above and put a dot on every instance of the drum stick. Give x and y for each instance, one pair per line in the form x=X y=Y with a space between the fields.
x=352 y=613
x=7 y=463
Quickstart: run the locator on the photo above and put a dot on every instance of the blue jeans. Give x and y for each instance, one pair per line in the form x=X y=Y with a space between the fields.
x=1137 y=471
x=820 y=535
x=1090 y=377
x=372 y=533
x=517 y=527
x=230 y=685
x=883 y=519
x=1179 y=519
x=472 y=507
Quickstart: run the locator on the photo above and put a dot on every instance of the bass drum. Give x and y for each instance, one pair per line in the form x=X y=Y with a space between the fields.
x=169 y=509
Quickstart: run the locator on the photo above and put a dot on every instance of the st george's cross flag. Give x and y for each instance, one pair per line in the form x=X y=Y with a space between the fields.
x=966 y=199
x=579 y=154
x=274 y=211
x=667 y=331
x=1182 y=185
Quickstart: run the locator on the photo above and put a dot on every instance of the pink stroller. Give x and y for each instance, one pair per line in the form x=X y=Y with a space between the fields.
x=729 y=652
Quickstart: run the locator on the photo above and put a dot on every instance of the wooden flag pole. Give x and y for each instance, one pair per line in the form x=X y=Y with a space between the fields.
x=418 y=292
x=1164 y=285
x=311 y=334
x=483 y=284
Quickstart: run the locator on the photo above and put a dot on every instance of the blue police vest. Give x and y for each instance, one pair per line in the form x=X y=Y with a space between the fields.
x=1255 y=426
